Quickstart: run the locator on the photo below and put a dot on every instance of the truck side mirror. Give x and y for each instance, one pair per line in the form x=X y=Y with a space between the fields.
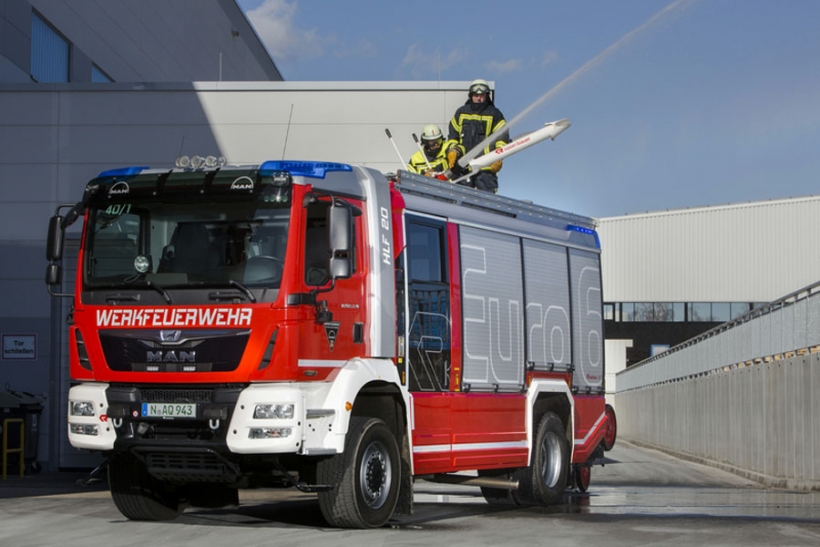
x=54 y=274
x=340 y=227
x=56 y=237
x=339 y=267
x=340 y=239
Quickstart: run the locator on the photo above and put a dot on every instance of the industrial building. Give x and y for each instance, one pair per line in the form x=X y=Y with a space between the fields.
x=90 y=85
x=671 y=275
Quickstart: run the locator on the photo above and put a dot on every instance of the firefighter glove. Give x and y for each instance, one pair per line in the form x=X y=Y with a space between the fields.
x=496 y=167
x=452 y=157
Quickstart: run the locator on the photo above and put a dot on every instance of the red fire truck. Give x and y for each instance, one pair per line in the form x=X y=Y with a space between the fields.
x=326 y=327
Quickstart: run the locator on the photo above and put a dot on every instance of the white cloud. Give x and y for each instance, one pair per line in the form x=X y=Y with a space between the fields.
x=503 y=67
x=274 y=22
x=362 y=48
x=548 y=58
x=422 y=64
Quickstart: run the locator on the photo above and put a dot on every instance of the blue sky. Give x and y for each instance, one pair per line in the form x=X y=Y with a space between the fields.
x=673 y=104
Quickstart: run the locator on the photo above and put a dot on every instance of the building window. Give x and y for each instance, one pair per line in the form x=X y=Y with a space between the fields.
x=739 y=308
x=49 y=52
x=665 y=312
x=720 y=311
x=700 y=311
x=716 y=312
x=644 y=311
x=669 y=311
x=676 y=312
x=98 y=76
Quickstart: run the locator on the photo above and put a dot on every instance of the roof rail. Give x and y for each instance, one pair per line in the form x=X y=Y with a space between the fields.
x=464 y=196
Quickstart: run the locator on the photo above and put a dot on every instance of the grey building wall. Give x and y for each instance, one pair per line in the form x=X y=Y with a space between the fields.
x=743 y=396
x=758 y=421
x=140 y=40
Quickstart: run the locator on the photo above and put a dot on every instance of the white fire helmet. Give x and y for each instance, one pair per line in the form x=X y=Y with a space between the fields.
x=479 y=87
x=431 y=132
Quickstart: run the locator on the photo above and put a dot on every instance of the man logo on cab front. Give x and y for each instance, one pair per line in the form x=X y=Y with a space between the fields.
x=332 y=331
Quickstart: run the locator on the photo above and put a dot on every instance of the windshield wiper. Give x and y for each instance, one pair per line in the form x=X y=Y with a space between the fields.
x=242 y=287
x=143 y=283
x=233 y=283
x=245 y=290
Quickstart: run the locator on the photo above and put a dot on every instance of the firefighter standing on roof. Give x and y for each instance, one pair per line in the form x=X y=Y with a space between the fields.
x=434 y=158
x=473 y=122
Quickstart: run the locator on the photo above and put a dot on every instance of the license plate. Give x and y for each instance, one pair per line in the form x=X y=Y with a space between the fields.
x=169 y=410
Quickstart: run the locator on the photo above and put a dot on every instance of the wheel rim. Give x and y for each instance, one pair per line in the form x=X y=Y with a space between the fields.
x=375 y=475
x=551 y=460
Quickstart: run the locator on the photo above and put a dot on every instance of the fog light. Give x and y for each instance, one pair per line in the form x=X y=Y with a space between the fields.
x=84 y=429
x=82 y=408
x=277 y=411
x=269 y=432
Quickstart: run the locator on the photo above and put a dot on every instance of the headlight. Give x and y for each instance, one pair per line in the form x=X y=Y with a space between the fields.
x=278 y=411
x=82 y=408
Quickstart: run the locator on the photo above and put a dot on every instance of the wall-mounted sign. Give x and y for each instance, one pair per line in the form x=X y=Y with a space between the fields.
x=19 y=346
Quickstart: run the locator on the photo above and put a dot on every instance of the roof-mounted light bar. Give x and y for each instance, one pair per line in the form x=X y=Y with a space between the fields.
x=313 y=169
x=581 y=229
x=123 y=171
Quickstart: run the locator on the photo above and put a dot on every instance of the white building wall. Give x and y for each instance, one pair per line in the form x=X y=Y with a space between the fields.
x=749 y=252
x=615 y=352
x=53 y=138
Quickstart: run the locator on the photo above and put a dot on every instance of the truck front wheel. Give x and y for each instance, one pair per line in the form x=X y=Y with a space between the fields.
x=365 y=478
x=137 y=494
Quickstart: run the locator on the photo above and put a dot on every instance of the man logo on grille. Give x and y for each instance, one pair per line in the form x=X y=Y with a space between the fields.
x=170 y=335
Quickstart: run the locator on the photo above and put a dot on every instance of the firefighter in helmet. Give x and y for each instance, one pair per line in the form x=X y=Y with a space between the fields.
x=431 y=159
x=472 y=123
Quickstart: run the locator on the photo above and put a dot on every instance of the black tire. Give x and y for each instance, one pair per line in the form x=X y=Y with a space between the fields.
x=365 y=478
x=137 y=494
x=544 y=481
x=611 y=431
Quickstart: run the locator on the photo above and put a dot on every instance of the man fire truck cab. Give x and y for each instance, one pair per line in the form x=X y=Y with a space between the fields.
x=326 y=327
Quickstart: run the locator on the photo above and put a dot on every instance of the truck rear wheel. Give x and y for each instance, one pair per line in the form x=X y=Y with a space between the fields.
x=365 y=478
x=137 y=494
x=581 y=476
x=611 y=429
x=544 y=481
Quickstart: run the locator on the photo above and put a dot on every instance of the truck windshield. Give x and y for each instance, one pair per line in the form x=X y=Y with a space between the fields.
x=179 y=244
